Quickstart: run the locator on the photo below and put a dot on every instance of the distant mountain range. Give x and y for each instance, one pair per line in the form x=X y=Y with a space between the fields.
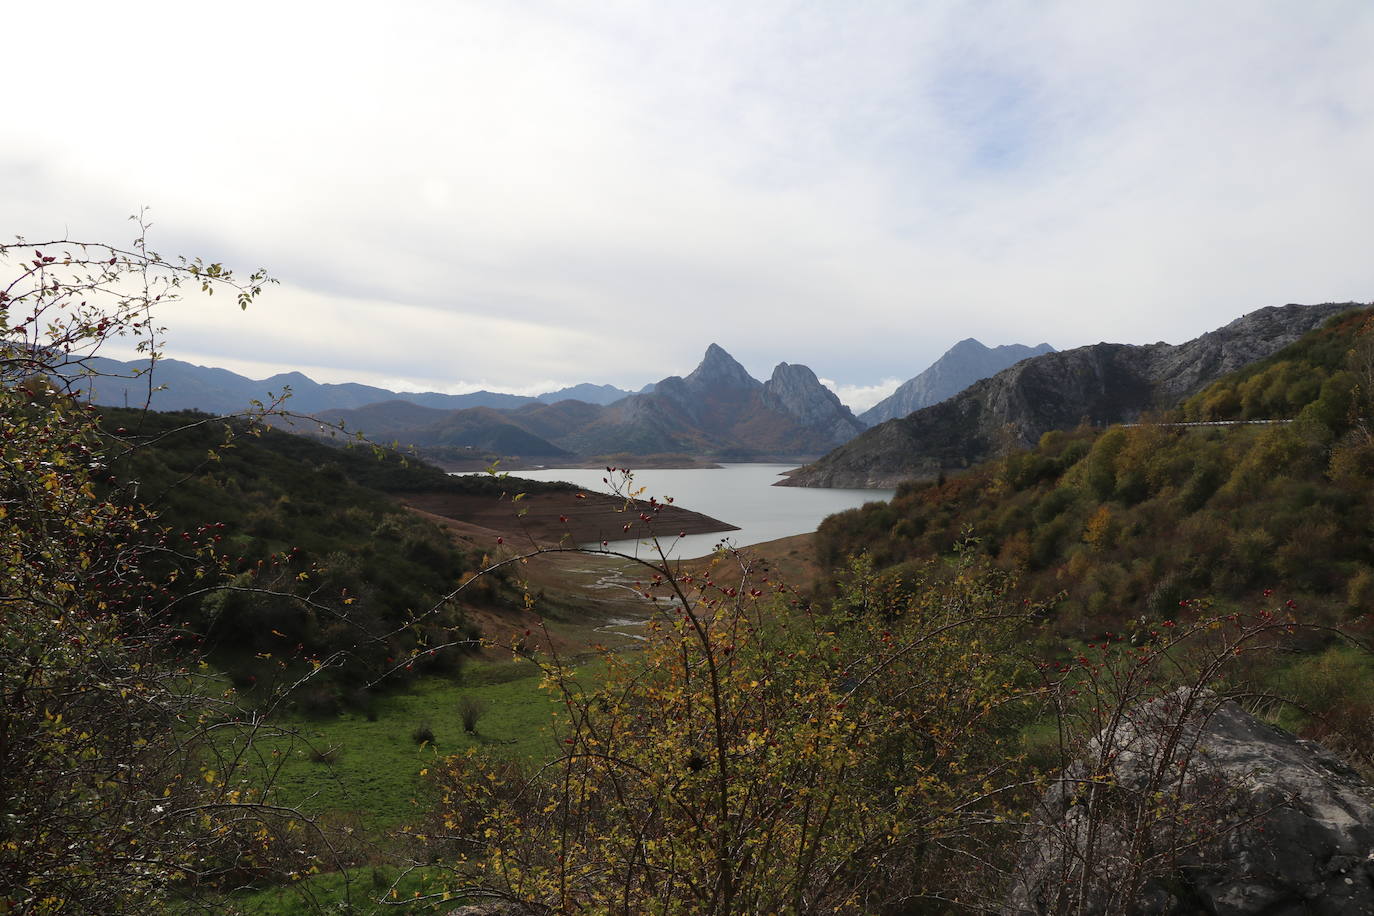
x=966 y=362
x=717 y=411
x=185 y=386
x=1102 y=383
x=971 y=404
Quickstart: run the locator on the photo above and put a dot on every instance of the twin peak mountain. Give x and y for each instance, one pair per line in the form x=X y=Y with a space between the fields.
x=718 y=411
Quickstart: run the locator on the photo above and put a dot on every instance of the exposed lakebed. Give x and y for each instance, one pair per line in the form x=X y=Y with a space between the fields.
x=741 y=494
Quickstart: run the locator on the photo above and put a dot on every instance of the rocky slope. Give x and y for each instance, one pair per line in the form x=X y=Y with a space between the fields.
x=966 y=362
x=1101 y=384
x=796 y=392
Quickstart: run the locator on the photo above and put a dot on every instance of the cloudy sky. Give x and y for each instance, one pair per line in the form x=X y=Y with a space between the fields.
x=519 y=195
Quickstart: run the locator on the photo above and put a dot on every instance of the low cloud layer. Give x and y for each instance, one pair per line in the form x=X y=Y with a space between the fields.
x=527 y=192
x=859 y=398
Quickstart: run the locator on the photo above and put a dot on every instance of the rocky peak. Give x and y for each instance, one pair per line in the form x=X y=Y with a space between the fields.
x=966 y=362
x=795 y=391
x=719 y=369
x=968 y=345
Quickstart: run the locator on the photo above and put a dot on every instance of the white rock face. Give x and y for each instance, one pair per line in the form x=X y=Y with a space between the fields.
x=1194 y=806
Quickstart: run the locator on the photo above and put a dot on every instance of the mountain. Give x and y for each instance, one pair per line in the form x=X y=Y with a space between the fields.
x=796 y=392
x=717 y=410
x=1100 y=384
x=966 y=362
x=186 y=386
x=587 y=393
x=720 y=410
x=1118 y=524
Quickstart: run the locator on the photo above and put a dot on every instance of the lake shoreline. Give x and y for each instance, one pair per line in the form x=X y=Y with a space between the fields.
x=742 y=493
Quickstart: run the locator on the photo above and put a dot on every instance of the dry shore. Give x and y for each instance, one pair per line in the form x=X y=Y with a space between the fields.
x=566 y=517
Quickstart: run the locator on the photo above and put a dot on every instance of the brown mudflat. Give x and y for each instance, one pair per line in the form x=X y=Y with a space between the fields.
x=566 y=517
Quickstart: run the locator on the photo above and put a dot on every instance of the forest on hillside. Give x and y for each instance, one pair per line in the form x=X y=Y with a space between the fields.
x=1114 y=529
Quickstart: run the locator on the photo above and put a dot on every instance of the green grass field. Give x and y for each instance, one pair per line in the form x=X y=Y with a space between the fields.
x=349 y=764
x=373 y=776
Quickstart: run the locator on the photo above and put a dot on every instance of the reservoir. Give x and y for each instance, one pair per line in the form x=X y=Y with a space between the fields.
x=740 y=494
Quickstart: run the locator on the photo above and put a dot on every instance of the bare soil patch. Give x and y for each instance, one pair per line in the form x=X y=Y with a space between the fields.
x=565 y=518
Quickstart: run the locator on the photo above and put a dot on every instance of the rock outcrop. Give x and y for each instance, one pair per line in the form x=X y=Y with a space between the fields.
x=1192 y=805
x=796 y=392
x=966 y=362
x=1101 y=384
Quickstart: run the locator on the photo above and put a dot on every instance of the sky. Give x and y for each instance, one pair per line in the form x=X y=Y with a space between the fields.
x=521 y=196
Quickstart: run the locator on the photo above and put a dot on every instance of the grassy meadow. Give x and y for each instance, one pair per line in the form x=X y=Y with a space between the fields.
x=364 y=770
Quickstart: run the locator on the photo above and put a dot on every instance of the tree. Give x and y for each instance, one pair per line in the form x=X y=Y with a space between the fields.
x=120 y=764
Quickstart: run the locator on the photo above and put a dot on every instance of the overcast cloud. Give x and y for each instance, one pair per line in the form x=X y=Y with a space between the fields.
x=514 y=195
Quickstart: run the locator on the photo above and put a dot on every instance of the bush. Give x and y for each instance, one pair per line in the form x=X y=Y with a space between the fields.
x=470 y=709
x=760 y=755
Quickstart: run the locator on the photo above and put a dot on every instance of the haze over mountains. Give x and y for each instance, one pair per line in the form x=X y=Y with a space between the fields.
x=1100 y=384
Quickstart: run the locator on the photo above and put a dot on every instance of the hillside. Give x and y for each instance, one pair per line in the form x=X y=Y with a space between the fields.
x=1098 y=384
x=290 y=516
x=481 y=429
x=1130 y=521
x=966 y=362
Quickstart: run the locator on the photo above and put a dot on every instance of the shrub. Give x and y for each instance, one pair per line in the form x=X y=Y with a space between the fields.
x=770 y=758
x=470 y=709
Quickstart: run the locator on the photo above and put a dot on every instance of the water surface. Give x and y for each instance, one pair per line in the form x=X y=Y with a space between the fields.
x=741 y=494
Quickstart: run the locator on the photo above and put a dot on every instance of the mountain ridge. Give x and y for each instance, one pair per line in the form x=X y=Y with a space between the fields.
x=717 y=410
x=1099 y=383
x=966 y=362
x=187 y=386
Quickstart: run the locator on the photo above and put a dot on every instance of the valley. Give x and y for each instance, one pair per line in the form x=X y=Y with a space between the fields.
x=687 y=459
x=395 y=657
